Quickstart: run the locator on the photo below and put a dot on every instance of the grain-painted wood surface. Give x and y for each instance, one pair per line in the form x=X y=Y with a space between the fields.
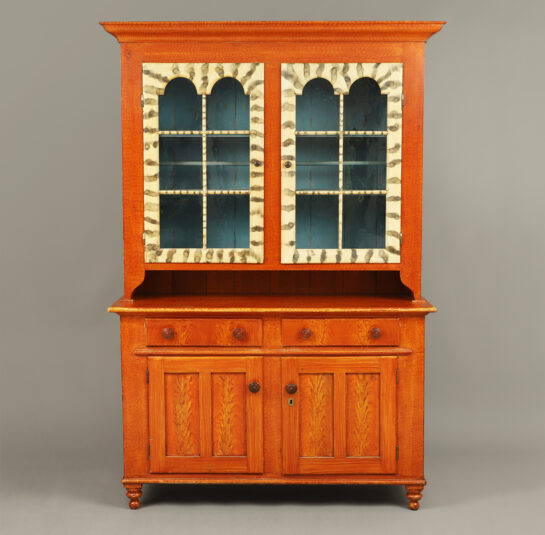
x=362 y=414
x=372 y=43
x=288 y=305
x=318 y=436
x=202 y=416
x=204 y=332
x=340 y=332
x=271 y=291
x=182 y=414
x=316 y=406
x=228 y=414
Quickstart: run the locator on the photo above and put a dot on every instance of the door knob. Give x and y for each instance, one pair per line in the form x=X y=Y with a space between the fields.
x=291 y=388
x=254 y=387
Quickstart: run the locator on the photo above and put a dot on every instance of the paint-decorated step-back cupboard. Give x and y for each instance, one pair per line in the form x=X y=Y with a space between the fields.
x=272 y=324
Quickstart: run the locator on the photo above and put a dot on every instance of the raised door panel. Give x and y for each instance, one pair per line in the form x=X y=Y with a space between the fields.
x=342 y=417
x=203 y=417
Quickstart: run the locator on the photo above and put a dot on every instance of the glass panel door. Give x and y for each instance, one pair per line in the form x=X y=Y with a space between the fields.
x=203 y=155
x=341 y=163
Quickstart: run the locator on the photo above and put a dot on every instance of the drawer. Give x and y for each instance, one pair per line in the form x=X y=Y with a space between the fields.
x=341 y=332
x=203 y=332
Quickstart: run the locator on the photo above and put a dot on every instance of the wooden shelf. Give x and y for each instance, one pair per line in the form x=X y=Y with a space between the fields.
x=266 y=304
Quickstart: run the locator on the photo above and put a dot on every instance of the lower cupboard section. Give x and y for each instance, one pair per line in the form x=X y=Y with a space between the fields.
x=338 y=415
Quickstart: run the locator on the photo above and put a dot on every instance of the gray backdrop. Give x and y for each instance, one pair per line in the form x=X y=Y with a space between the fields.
x=61 y=267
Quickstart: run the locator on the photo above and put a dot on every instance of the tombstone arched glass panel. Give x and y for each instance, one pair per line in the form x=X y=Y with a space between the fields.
x=227 y=107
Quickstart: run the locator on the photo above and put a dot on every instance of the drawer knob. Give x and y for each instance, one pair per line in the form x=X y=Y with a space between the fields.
x=376 y=333
x=239 y=333
x=287 y=164
x=254 y=387
x=168 y=333
x=291 y=388
x=306 y=333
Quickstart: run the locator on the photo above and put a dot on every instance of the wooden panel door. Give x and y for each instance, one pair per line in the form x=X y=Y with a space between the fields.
x=342 y=417
x=203 y=416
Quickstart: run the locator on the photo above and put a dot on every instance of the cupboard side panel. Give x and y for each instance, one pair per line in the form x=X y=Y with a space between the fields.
x=410 y=416
x=135 y=398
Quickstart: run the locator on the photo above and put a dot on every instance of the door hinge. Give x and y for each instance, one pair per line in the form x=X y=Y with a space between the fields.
x=149 y=450
x=142 y=100
x=147 y=376
x=402 y=100
x=400 y=239
x=397 y=452
x=397 y=376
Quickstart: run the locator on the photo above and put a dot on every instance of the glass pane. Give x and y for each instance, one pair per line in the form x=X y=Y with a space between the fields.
x=364 y=162
x=364 y=221
x=181 y=221
x=318 y=107
x=180 y=162
x=228 y=221
x=227 y=107
x=317 y=222
x=180 y=108
x=317 y=162
x=365 y=107
x=228 y=162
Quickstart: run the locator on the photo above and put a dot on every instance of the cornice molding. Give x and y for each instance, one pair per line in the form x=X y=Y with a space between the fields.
x=273 y=31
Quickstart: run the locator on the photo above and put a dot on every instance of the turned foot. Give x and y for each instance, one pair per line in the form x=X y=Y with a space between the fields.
x=414 y=493
x=134 y=492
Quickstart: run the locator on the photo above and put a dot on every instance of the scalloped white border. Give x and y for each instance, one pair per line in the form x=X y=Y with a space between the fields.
x=155 y=77
x=389 y=77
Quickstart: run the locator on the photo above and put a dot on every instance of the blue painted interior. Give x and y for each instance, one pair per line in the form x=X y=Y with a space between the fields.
x=318 y=107
x=364 y=162
x=227 y=107
x=228 y=162
x=228 y=221
x=365 y=108
x=180 y=108
x=317 y=162
x=364 y=221
x=316 y=222
x=180 y=162
x=181 y=221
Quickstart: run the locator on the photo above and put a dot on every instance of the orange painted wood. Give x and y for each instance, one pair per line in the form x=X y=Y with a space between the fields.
x=316 y=404
x=238 y=479
x=204 y=332
x=288 y=305
x=273 y=31
x=358 y=398
x=317 y=418
x=251 y=42
x=340 y=332
x=228 y=414
x=362 y=414
x=203 y=417
x=182 y=414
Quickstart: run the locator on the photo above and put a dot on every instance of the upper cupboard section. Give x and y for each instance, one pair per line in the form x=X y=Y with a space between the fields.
x=341 y=162
x=203 y=162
